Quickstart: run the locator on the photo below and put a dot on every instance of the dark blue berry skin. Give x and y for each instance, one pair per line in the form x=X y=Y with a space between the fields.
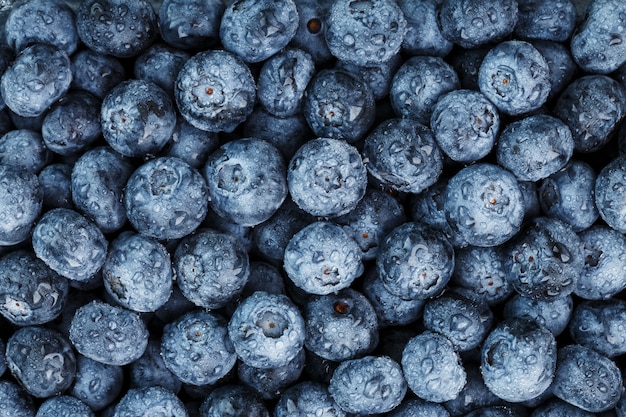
x=55 y=180
x=417 y=85
x=14 y=401
x=32 y=293
x=25 y=122
x=165 y=198
x=568 y=195
x=306 y=399
x=432 y=367
x=580 y=104
x=98 y=180
x=309 y=36
x=21 y=204
x=556 y=407
x=415 y=407
x=466 y=63
x=211 y=268
x=41 y=21
x=6 y=58
x=415 y=262
x=552 y=314
x=287 y=134
x=515 y=77
x=191 y=24
x=150 y=370
x=368 y=385
x=233 y=400
x=465 y=124
x=264 y=277
x=322 y=258
x=561 y=64
x=340 y=326
x=495 y=411
x=270 y=383
x=150 y=401
x=137 y=272
x=195 y=347
x=64 y=406
x=267 y=330
x=475 y=22
x=365 y=33
x=69 y=244
x=218 y=99
x=282 y=81
x=97 y=384
x=535 y=147
x=474 y=395
x=24 y=148
x=247 y=181
x=339 y=105
x=518 y=360
x=603 y=273
x=326 y=177
x=423 y=35
x=587 y=379
x=108 y=334
x=160 y=64
x=255 y=30
x=545 y=260
x=459 y=315
x=610 y=193
x=597 y=324
x=117 y=28
x=598 y=43
x=377 y=77
x=3 y=361
x=137 y=118
x=483 y=205
x=42 y=360
x=72 y=125
x=190 y=144
x=96 y=73
x=38 y=77
x=403 y=154
x=545 y=20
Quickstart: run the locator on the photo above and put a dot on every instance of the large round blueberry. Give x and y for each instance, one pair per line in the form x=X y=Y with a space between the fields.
x=545 y=19
x=190 y=24
x=165 y=198
x=597 y=324
x=96 y=73
x=561 y=64
x=553 y=314
x=24 y=148
x=97 y=384
x=423 y=34
x=20 y=205
x=610 y=194
x=161 y=64
x=148 y=402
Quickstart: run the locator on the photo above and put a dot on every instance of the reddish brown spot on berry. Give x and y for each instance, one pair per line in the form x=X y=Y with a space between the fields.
x=342 y=307
x=326 y=271
x=530 y=259
x=493 y=201
x=365 y=235
x=209 y=90
x=505 y=81
x=314 y=25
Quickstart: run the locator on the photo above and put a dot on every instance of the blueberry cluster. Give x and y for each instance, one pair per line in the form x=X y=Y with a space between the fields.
x=312 y=208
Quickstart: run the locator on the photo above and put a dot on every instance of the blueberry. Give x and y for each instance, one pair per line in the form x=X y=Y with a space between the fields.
x=415 y=262
x=309 y=36
x=218 y=99
x=587 y=379
x=561 y=64
x=32 y=294
x=403 y=154
x=326 y=177
x=96 y=384
x=322 y=258
x=150 y=401
x=3 y=361
x=255 y=30
x=483 y=205
x=69 y=244
x=365 y=33
x=96 y=73
x=42 y=360
x=150 y=370
x=264 y=277
x=495 y=411
x=415 y=407
x=305 y=399
x=610 y=192
x=559 y=408
x=515 y=77
x=535 y=147
x=14 y=401
x=474 y=23
x=465 y=124
x=466 y=63
x=190 y=144
x=21 y=204
x=165 y=198
x=247 y=181
x=24 y=148
x=423 y=35
x=108 y=334
x=160 y=64
x=368 y=385
x=233 y=401
x=266 y=330
x=114 y=27
x=211 y=268
x=38 y=77
x=417 y=85
x=580 y=104
x=377 y=77
x=41 y=21
x=474 y=395
x=6 y=58
x=518 y=360
x=339 y=105
x=190 y=24
x=432 y=367
x=543 y=19
x=596 y=324
x=553 y=314
x=137 y=272
x=64 y=406
x=138 y=118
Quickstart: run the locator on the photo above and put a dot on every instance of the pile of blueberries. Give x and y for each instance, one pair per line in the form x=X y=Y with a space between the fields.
x=313 y=208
